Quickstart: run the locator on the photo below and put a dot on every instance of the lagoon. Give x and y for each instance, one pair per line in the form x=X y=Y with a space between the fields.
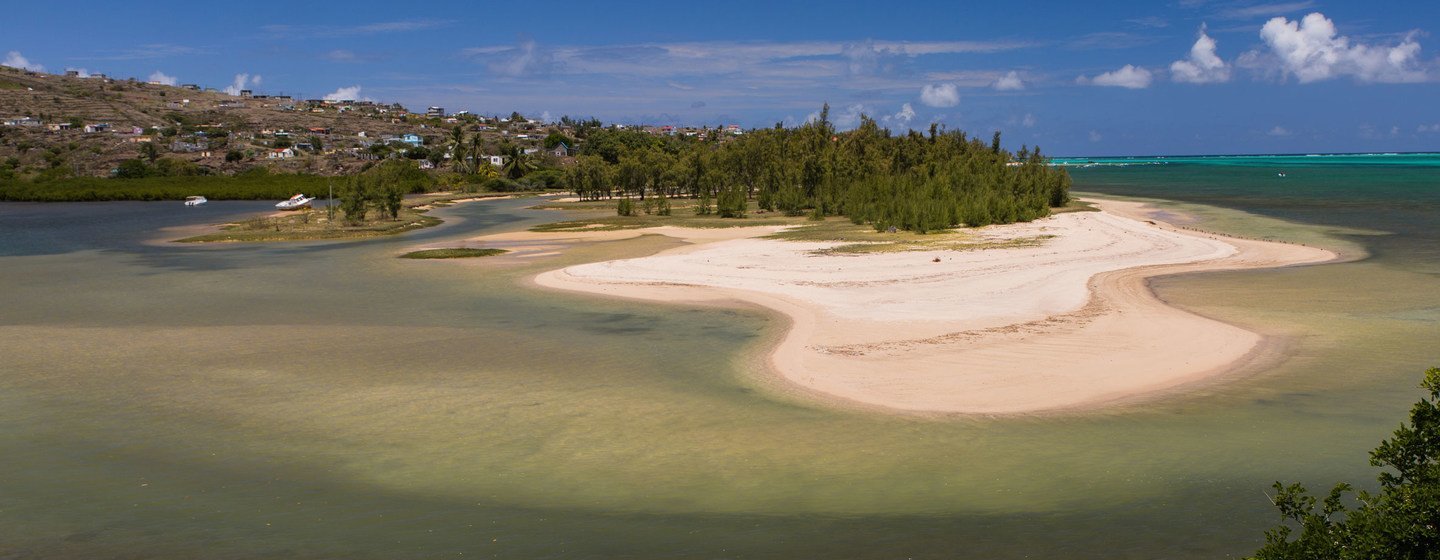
x=326 y=399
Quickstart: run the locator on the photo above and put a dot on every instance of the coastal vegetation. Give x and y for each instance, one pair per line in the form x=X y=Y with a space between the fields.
x=453 y=253
x=255 y=184
x=1402 y=520
x=912 y=181
x=312 y=224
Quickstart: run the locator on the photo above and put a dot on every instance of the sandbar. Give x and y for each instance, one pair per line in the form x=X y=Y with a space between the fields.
x=1068 y=323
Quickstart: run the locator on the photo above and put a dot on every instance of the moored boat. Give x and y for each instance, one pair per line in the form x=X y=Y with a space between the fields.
x=295 y=203
x=195 y=200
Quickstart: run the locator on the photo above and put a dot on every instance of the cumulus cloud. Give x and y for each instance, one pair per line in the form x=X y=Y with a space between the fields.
x=1009 y=82
x=901 y=119
x=1278 y=131
x=160 y=77
x=1311 y=50
x=1128 y=76
x=1028 y=121
x=351 y=93
x=242 y=81
x=14 y=59
x=940 y=95
x=1203 y=66
x=1095 y=136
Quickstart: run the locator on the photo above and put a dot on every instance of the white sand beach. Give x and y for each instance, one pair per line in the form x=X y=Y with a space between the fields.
x=1067 y=324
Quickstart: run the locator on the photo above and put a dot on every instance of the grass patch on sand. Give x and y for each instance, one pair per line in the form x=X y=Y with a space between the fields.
x=1076 y=205
x=682 y=214
x=863 y=239
x=315 y=224
x=453 y=253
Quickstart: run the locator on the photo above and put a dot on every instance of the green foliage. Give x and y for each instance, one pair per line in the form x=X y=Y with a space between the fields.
x=625 y=207
x=355 y=195
x=702 y=206
x=517 y=162
x=132 y=169
x=256 y=184
x=546 y=179
x=731 y=203
x=149 y=151
x=233 y=156
x=1402 y=521
x=912 y=181
x=555 y=138
x=382 y=187
x=455 y=253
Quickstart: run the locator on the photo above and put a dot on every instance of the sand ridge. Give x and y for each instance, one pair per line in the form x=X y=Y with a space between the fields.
x=1069 y=323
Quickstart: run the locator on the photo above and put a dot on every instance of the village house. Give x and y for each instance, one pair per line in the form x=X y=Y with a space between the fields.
x=96 y=127
x=435 y=112
x=560 y=150
x=23 y=121
x=412 y=139
x=189 y=146
x=281 y=153
x=57 y=127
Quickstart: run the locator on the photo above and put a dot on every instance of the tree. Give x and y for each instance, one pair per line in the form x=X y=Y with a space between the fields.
x=1401 y=522
x=233 y=156
x=517 y=162
x=149 y=151
x=132 y=169
x=555 y=138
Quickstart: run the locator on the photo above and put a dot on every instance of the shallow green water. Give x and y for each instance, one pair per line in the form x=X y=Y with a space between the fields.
x=328 y=400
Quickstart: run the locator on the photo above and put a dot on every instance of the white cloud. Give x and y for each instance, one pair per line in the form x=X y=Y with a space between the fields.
x=1095 y=136
x=1203 y=66
x=1311 y=50
x=850 y=117
x=901 y=119
x=1261 y=10
x=161 y=77
x=1009 y=82
x=1278 y=131
x=1028 y=121
x=940 y=95
x=1128 y=76
x=242 y=81
x=14 y=59
x=1432 y=128
x=351 y=93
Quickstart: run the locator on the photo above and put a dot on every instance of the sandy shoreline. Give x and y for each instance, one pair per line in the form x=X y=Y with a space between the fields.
x=1068 y=324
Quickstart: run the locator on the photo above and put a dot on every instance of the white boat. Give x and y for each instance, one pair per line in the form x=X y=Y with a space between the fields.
x=295 y=203
x=195 y=200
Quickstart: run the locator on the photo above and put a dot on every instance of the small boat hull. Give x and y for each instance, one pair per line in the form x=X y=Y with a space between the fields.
x=195 y=200
x=296 y=202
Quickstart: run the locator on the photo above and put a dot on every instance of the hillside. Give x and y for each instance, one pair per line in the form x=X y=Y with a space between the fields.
x=72 y=126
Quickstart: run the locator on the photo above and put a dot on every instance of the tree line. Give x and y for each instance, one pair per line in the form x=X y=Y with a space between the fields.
x=912 y=181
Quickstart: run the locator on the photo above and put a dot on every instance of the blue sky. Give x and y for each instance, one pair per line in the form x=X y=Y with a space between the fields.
x=1094 y=78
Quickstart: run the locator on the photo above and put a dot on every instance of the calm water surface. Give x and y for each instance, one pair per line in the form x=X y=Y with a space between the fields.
x=329 y=400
